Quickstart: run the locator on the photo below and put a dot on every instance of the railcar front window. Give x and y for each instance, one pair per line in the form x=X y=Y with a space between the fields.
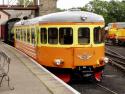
x=65 y=35
x=52 y=35
x=98 y=35
x=83 y=36
x=43 y=35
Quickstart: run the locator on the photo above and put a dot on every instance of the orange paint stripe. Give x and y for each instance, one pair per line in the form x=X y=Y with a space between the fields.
x=27 y=52
x=30 y=46
x=27 y=48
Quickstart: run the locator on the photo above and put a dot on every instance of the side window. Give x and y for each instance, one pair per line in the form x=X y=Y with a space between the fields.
x=98 y=35
x=33 y=35
x=25 y=35
x=43 y=33
x=52 y=35
x=18 y=34
x=21 y=31
x=65 y=35
x=83 y=36
x=28 y=35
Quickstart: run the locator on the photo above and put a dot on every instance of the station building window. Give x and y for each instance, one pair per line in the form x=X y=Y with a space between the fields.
x=52 y=35
x=83 y=36
x=43 y=33
x=98 y=35
x=65 y=35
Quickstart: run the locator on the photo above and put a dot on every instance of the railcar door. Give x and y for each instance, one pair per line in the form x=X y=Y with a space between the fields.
x=90 y=47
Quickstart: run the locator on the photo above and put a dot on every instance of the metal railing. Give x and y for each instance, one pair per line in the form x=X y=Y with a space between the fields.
x=4 y=69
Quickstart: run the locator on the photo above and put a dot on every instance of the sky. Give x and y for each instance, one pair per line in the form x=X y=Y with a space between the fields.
x=63 y=4
x=66 y=4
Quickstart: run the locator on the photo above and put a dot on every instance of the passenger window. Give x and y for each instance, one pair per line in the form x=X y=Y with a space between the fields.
x=52 y=35
x=83 y=36
x=98 y=35
x=28 y=35
x=18 y=34
x=33 y=35
x=25 y=35
x=21 y=31
x=43 y=33
x=65 y=35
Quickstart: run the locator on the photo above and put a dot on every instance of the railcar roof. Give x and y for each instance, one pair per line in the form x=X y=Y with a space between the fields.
x=66 y=16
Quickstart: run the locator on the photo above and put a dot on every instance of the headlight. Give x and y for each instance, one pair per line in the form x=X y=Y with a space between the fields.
x=58 y=62
x=106 y=60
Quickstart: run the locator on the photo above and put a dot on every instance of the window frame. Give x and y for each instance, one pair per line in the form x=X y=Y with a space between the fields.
x=46 y=35
x=89 y=41
x=67 y=31
x=102 y=35
x=57 y=41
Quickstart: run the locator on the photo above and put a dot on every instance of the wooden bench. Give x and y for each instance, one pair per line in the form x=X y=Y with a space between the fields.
x=4 y=69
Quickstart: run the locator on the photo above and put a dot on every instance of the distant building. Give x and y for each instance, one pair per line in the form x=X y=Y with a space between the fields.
x=47 y=6
x=4 y=16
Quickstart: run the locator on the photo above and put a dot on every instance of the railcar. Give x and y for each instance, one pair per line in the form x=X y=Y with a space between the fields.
x=69 y=42
x=116 y=33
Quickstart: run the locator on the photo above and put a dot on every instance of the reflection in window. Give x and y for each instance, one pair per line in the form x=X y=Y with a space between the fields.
x=98 y=35
x=52 y=35
x=83 y=35
x=65 y=36
x=43 y=33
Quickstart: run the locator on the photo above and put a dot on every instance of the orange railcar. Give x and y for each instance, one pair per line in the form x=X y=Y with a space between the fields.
x=71 y=40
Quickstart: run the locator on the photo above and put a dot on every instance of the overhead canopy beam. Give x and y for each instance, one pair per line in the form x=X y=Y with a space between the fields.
x=19 y=7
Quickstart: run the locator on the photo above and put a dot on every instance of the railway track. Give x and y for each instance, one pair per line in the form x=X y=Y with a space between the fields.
x=116 y=58
x=93 y=88
x=111 y=84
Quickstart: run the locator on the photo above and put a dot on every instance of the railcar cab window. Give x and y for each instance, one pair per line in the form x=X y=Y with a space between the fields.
x=43 y=33
x=83 y=36
x=52 y=35
x=98 y=35
x=65 y=36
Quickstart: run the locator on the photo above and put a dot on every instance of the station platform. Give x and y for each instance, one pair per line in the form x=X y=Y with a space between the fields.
x=28 y=77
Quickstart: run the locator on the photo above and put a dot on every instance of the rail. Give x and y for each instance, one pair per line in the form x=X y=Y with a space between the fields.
x=4 y=69
x=116 y=58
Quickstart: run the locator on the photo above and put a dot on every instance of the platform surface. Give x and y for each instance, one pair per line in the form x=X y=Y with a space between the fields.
x=29 y=78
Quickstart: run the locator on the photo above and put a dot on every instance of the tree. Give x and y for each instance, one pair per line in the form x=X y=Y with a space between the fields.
x=112 y=11
x=25 y=2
